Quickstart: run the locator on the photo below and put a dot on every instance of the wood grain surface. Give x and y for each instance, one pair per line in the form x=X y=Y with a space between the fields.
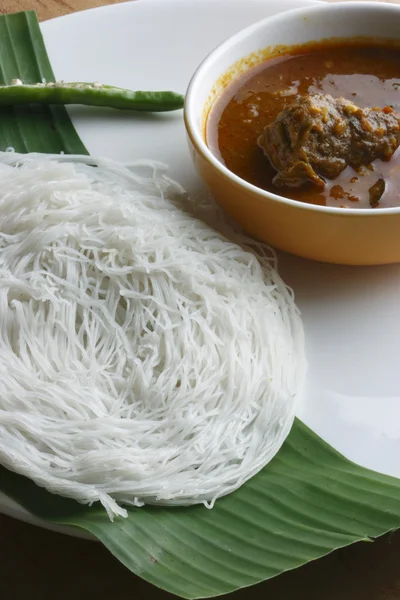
x=40 y=565
x=49 y=9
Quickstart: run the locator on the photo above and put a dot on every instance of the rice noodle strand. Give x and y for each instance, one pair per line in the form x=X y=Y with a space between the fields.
x=144 y=357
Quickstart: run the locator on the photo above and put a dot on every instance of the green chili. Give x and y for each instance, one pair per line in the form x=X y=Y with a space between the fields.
x=89 y=94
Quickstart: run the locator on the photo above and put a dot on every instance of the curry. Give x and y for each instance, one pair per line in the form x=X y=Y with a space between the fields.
x=319 y=125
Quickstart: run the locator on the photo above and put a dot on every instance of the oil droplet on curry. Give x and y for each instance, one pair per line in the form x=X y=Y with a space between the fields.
x=366 y=76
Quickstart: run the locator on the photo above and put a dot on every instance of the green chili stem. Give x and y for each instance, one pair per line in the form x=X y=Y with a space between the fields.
x=90 y=95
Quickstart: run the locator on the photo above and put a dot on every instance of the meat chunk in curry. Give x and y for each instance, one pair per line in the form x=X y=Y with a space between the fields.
x=318 y=136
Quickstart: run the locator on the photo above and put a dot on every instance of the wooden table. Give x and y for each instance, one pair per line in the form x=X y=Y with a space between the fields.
x=39 y=565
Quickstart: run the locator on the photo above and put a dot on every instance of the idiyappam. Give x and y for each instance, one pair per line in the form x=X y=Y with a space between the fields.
x=144 y=356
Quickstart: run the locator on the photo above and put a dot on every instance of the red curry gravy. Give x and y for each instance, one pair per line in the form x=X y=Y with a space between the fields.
x=367 y=75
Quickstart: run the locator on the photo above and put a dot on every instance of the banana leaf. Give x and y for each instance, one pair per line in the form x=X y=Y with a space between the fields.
x=33 y=128
x=306 y=503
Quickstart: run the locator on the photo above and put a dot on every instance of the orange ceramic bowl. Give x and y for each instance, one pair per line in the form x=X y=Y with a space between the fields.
x=335 y=235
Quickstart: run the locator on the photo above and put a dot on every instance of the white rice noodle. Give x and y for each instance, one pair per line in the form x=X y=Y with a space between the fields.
x=144 y=358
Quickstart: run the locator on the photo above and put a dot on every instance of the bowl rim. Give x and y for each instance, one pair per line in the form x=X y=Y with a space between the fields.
x=195 y=134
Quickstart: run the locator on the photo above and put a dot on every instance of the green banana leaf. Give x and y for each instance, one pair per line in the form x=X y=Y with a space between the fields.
x=307 y=502
x=33 y=128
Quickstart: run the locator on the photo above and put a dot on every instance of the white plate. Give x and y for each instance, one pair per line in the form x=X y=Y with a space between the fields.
x=351 y=315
